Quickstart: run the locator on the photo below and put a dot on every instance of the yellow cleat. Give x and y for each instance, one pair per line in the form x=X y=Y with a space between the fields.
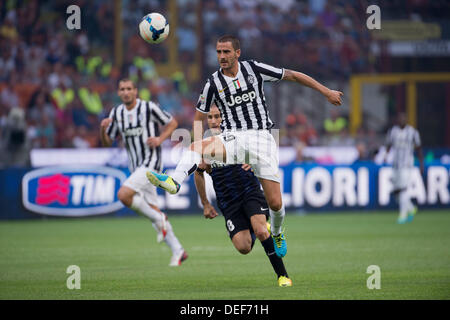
x=284 y=281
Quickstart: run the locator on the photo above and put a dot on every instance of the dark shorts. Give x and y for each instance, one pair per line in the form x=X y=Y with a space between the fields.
x=237 y=216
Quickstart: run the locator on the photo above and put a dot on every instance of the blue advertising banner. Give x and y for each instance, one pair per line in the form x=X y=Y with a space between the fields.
x=73 y=191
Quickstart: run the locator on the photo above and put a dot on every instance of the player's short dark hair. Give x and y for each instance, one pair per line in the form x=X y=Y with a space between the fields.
x=126 y=80
x=229 y=38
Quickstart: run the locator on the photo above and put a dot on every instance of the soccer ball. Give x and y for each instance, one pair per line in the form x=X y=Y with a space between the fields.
x=154 y=28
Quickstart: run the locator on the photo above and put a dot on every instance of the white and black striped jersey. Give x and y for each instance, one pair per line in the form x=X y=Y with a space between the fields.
x=241 y=99
x=403 y=142
x=135 y=126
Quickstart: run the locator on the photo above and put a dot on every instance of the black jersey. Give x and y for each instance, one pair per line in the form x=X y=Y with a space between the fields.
x=233 y=184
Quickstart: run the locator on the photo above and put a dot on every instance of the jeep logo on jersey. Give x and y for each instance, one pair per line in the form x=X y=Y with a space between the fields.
x=242 y=98
x=72 y=190
x=133 y=132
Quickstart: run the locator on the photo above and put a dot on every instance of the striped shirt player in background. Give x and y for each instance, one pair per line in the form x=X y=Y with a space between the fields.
x=237 y=90
x=403 y=139
x=241 y=200
x=137 y=122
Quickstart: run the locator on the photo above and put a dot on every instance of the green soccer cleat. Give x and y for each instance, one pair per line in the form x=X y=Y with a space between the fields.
x=163 y=181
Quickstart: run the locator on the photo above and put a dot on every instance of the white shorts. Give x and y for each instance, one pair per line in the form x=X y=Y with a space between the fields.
x=138 y=182
x=400 y=178
x=254 y=147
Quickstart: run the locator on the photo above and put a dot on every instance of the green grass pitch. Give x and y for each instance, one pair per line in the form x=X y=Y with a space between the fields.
x=328 y=255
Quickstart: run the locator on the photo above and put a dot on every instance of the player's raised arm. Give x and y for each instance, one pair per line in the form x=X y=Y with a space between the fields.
x=333 y=96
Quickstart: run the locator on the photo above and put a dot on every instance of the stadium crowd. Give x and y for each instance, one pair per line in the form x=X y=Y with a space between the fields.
x=56 y=84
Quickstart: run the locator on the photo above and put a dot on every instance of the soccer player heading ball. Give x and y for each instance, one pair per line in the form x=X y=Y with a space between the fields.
x=237 y=89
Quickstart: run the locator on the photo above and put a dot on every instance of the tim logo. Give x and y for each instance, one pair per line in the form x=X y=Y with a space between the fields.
x=242 y=98
x=72 y=191
x=53 y=189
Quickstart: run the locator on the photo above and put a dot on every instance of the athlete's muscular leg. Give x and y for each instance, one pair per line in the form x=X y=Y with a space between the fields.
x=259 y=226
x=125 y=195
x=272 y=193
x=242 y=241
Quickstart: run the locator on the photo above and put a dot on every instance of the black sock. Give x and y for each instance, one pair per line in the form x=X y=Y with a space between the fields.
x=276 y=261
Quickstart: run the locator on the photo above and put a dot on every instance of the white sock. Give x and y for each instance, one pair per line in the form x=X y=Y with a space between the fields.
x=186 y=166
x=276 y=220
x=403 y=204
x=171 y=240
x=410 y=205
x=141 y=206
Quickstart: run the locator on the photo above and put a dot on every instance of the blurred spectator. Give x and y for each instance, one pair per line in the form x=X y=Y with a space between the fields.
x=67 y=137
x=363 y=153
x=299 y=130
x=306 y=18
x=328 y=16
x=7 y=63
x=79 y=113
x=41 y=106
x=46 y=132
x=80 y=139
x=168 y=98
x=335 y=124
x=8 y=29
x=187 y=42
x=305 y=131
x=14 y=142
x=32 y=133
x=8 y=97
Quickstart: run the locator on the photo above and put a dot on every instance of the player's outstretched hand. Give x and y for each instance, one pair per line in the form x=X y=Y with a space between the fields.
x=154 y=142
x=334 y=97
x=105 y=123
x=209 y=212
x=246 y=167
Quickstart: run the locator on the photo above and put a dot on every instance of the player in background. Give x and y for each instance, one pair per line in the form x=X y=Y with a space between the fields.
x=237 y=90
x=403 y=139
x=242 y=202
x=137 y=122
